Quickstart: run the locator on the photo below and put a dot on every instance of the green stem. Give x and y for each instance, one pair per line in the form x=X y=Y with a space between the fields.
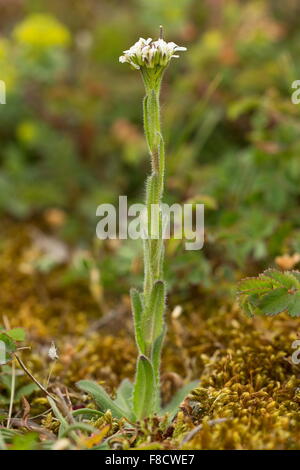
x=153 y=248
x=151 y=323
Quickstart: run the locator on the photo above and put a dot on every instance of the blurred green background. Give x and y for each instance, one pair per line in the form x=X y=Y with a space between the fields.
x=72 y=138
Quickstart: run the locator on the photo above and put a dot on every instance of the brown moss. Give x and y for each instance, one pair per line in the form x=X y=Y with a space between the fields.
x=244 y=367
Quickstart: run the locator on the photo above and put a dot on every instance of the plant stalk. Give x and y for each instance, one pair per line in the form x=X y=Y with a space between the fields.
x=150 y=324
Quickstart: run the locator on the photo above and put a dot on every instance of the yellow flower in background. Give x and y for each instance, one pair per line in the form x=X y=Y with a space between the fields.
x=42 y=31
x=27 y=132
x=212 y=41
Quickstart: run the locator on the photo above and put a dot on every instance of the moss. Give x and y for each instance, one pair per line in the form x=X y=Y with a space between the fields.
x=246 y=378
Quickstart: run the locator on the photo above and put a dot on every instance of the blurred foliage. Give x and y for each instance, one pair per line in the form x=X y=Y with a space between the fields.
x=71 y=132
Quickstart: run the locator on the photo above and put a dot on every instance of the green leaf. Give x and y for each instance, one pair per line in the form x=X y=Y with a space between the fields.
x=8 y=434
x=137 y=310
x=144 y=389
x=153 y=317
x=294 y=307
x=156 y=350
x=272 y=292
x=275 y=301
x=25 y=391
x=102 y=399
x=285 y=279
x=63 y=422
x=87 y=412
x=7 y=348
x=152 y=190
x=147 y=267
x=254 y=285
x=156 y=355
x=27 y=441
x=124 y=397
x=172 y=407
x=249 y=304
x=17 y=334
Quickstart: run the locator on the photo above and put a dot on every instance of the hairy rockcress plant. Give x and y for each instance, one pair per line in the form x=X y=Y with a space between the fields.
x=142 y=399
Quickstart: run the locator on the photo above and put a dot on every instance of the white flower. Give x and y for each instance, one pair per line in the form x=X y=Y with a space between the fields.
x=149 y=53
x=52 y=353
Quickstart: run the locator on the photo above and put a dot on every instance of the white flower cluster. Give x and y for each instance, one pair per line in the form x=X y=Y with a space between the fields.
x=52 y=353
x=149 y=53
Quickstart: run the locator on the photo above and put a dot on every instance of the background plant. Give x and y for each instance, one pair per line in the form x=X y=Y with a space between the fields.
x=270 y=293
x=232 y=133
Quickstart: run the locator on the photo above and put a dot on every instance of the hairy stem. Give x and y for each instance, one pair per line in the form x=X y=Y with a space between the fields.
x=151 y=323
x=153 y=246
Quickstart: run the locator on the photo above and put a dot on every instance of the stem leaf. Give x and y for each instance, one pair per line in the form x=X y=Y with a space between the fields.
x=156 y=355
x=144 y=389
x=137 y=310
x=153 y=317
